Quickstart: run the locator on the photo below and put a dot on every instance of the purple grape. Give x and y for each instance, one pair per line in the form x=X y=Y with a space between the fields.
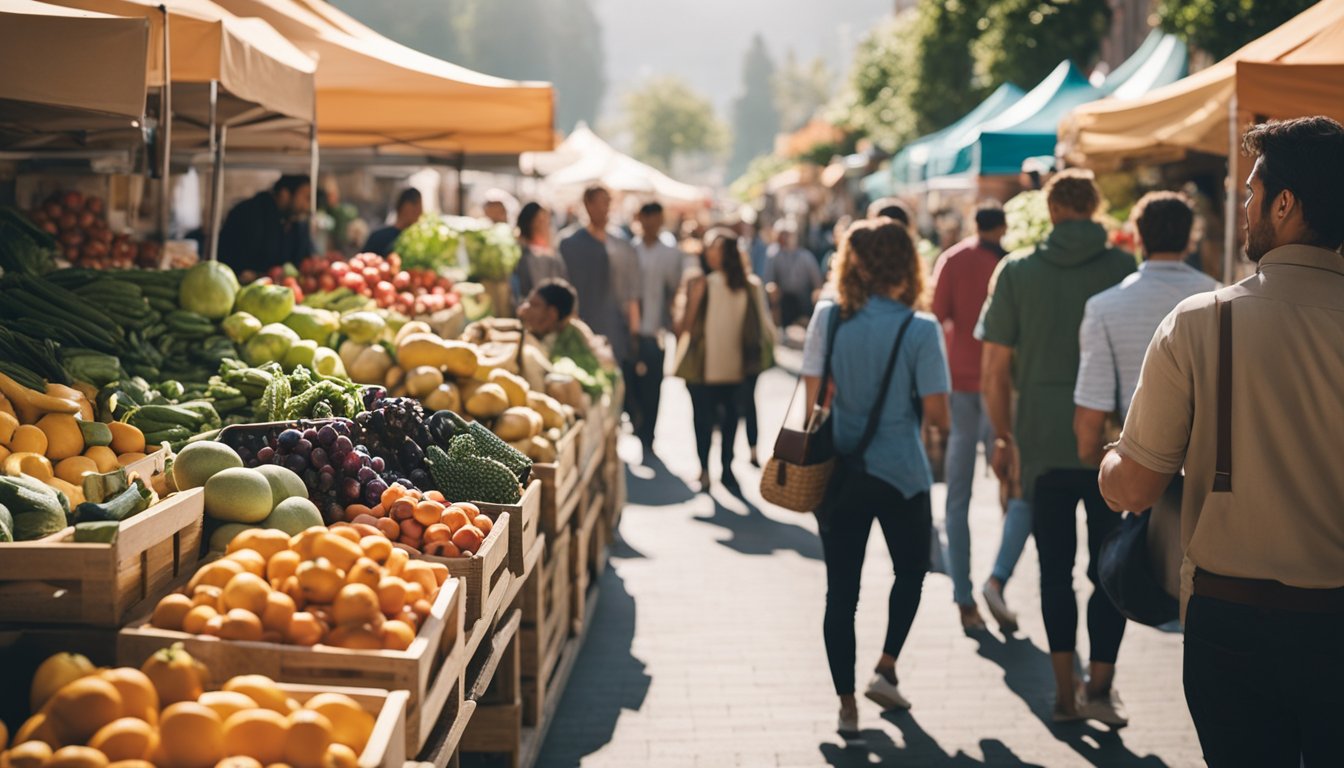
x=310 y=434
x=288 y=438
x=343 y=445
x=296 y=463
x=326 y=436
x=366 y=474
x=342 y=427
x=378 y=464
x=327 y=471
x=318 y=457
x=352 y=463
x=350 y=489
x=303 y=446
x=372 y=495
x=265 y=455
x=335 y=512
x=325 y=481
x=420 y=478
x=310 y=477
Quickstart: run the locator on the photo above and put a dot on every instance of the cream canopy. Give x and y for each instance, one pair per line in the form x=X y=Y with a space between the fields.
x=375 y=93
x=584 y=159
x=1294 y=70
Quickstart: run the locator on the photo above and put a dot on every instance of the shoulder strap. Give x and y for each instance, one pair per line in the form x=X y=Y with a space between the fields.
x=870 y=430
x=832 y=326
x=1222 y=469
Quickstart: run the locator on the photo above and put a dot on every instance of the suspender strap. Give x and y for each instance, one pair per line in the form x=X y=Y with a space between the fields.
x=870 y=430
x=1222 y=470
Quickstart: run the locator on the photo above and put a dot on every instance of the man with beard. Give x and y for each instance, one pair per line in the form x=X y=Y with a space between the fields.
x=1241 y=388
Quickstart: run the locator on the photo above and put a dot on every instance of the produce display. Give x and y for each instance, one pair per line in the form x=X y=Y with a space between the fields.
x=79 y=225
x=339 y=587
x=168 y=714
x=423 y=522
x=411 y=291
x=433 y=241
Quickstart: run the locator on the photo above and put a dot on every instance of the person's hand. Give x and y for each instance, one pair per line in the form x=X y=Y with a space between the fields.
x=1005 y=455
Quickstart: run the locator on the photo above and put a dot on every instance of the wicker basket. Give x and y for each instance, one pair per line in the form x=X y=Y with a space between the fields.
x=799 y=487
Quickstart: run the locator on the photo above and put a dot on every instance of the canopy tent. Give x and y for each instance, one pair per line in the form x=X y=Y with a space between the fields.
x=584 y=159
x=1162 y=58
x=373 y=93
x=1284 y=78
x=579 y=144
x=72 y=77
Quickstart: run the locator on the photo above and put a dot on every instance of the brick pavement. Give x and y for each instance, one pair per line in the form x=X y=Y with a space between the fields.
x=706 y=648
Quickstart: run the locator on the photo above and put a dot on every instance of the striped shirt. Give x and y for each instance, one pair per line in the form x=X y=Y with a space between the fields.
x=1118 y=325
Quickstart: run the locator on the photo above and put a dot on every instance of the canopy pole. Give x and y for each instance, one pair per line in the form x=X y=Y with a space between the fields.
x=166 y=131
x=1230 y=212
x=461 y=185
x=216 y=171
x=312 y=182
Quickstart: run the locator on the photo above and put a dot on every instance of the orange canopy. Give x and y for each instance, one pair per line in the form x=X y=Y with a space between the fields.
x=375 y=93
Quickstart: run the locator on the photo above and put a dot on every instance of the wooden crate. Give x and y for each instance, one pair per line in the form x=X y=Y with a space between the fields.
x=614 y=487
x=524 y=519
x=54 y=580
x=546 y=622
x=485 y=574
x=559 y=481
x=430 y=670
x=497 y=725
x=591 y=441
x=579 y=574
x=599 y=548
x=386 y=747
x=153 y=464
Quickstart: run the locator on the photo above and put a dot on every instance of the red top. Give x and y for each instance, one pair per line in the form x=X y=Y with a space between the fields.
x=961 y=282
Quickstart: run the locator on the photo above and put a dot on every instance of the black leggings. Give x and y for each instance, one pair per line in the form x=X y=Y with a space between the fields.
x=906 y=524
x=713 y=404
x=1055 y=524
x=746 y=406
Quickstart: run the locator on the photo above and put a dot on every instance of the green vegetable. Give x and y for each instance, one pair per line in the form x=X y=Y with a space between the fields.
x=97 y=532
x=492 y=253
x=208 y=289
x=24 y=248
x=130 y=501
x=267 y=303
x=6 y=524
x=95 y=433
x=462 y=474
x=37 y=509
x=487 y=444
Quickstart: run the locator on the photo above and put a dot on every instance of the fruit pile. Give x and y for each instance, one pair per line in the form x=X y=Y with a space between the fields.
x=411 y=292
x=425 y=522
x=79 y=223
x=163 y=715
x=333 y=587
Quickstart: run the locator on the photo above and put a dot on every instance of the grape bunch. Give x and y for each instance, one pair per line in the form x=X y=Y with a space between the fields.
x=394 y=429
x=336 y=471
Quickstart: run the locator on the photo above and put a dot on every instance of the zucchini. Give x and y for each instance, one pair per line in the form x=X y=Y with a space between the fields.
x=116 y=509
x=97 y=532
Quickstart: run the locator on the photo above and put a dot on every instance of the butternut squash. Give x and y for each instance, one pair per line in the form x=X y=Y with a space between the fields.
x=64 y=438
x=454 y=357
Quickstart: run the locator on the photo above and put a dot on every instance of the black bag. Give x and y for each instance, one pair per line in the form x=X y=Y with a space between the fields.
x=849 y=466
x=1127 y=574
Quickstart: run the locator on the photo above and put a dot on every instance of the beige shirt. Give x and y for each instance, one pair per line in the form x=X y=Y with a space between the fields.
x=1284 y=518
x=725 y=314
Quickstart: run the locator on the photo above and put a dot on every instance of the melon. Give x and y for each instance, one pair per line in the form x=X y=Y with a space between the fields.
x=284 y=483
x=294 y=516
x=238 y=495
x=197 y=462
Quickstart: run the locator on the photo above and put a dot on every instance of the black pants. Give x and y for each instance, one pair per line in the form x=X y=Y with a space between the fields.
x=1055 y=525
x=1264 y=686
x=793 y=307
x=905 y=525
x=714 y=404
x=644 y=387
x=746 y=405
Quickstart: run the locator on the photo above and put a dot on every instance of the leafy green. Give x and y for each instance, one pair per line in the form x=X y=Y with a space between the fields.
x=24 y=248
x=432 y=243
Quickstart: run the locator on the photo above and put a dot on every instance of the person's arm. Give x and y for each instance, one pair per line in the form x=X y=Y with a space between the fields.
x=1128 y=486
x=814 y=352
x=937 y=414
x=1094 y=394
x=1088 y=426
x=996 y=382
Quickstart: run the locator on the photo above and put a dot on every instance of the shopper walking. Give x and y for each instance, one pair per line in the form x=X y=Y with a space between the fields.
x=1241 y=388
x=872 y=338
x=720 y=347
x=605 y=273
x=660 y=271
x=539 y=261
x=792 y=276
x=961 y=283
x=1033 y=315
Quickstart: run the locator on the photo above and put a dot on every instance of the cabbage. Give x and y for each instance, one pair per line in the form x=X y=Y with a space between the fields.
x=492 y=252
x=208 y=289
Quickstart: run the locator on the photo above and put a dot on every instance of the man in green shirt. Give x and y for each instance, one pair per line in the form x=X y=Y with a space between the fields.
x=1029 y=327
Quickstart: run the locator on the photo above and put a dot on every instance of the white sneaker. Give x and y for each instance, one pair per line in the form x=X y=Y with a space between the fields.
x=1006 y=618
x=848 y=727
x=1108 y=709
x=885 y=693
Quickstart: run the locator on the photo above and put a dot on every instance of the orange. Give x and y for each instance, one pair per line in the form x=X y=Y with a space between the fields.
x=138 y=696
x=266 y=542
x=440 y=573
x=196 y=619
x=342 y=552
x=304 y=629
x=279 y=611
x=216 y=574
x=319 y=580
x=170 y=611
x=260 y=689
x=214 y=626
x=466 y=506
x=241 y=624
x=355 y=637
x=340 y=756
x=350 y=724
x=256 y=733
x=77 y=757
x=131 y=764
x=247 y=591
x=282 y=564
x=355 y=604
x=81 y=707
x=376 y=548
x=413 y=591
x=227 y=703
x=192 y=735
x=252 y=561
x=454 y=517
x=128 y=738
x=391 y=595
x=346 y=532
x=397 y=635
x=308 y=739
x=366 y=572
x=396 y=561
x=206 y=594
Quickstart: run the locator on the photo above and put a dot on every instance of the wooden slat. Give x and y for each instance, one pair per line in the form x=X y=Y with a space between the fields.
x=524 y=522
x=482 y=571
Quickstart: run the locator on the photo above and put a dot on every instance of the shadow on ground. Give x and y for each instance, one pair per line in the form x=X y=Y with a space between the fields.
x=613 y=679
x=1027 y=673
x=877 y=748
x=755 y=534
x=652 y=484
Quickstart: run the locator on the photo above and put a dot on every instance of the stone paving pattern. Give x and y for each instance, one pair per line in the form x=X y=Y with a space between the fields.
x=706 y=648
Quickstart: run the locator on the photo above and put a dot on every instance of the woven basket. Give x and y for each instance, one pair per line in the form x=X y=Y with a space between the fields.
x=799 y=487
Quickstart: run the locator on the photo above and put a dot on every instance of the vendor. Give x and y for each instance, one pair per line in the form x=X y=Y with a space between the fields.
x=410 y=207
x=269 y=229
x=548 y=315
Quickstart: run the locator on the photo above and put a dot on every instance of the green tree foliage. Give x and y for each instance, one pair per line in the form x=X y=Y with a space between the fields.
x=428 y=26
x=1023 y=40
x=755 y=119
x=877 y=98
x=751 y=184
x=666 y=117
x=1220 y=27
x=801 y=88
x=947 y=87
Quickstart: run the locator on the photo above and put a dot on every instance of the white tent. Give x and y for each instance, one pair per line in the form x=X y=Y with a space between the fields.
x=584 y=159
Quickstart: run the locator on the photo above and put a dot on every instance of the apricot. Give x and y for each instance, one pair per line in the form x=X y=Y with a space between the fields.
x=282 y=565
x=279 y=611
x=397 y=635
x=304 y=629
x=247 y=591
x=346 y=531
x=437 y=532
x=170 y=612
x=402 y=509
x=436 y=496
x=389 y=528
x=307 y=739
x=354 y=511
x=468 y=539
x=252 y=561
x=196 y=619
x=484 y=523
x=428 y=512
x=455 y=518
x=391 y=595
x=443 y=549
x=376 y=548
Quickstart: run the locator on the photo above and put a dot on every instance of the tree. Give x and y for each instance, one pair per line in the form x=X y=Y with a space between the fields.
x=667 y=118
x=947 y=87
x=578 y=59
x=1220 y=27
x=1023 y=40
x=800 y=88
x=876 y=100
x=428 y=26
x=755 y=121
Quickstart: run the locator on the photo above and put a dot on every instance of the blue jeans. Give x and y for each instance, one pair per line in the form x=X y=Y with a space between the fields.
x=970 y=429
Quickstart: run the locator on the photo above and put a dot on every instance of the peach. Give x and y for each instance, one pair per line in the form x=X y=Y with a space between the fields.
x=428 y=512
x=437 y=532
x=389 y=528
x=468 y=538
x=402 y=509
x=484 y=523
x=455 y=518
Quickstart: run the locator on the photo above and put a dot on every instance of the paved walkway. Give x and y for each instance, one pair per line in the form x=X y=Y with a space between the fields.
x=706 y=648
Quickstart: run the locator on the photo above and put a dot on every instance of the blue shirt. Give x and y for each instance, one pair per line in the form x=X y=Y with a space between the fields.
x=862 y=347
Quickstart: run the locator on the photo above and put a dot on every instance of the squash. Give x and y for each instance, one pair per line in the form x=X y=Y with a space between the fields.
x=488 y=401
x=70 y=393
x=6 y=406
x=73 y=492
x=551 y=412
x=64 y=438
x=540 y=450
x=445 y=397
x=349 y=352
x=126 y=438
x=514 y=386
x=73 y=469
x=422 y=380
x=455 y=357
x=370 y=366
x=30 y=463
x=29 y=439
x=567 y=391
x=515 y=424
x=8 y=423
x=414 y=326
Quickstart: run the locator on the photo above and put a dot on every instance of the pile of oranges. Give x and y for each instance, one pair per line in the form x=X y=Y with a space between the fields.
x=339 y=587
x=161 y=715
x=424 y=522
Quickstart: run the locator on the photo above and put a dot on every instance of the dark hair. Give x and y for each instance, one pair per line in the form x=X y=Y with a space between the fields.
x=651 y=209
x=989 y=216
x=408 y=196
x=527 y=217
x=1164 y=220
x=734 y=266
x=559 y=294
x=1074 y=189
x=876 y=256
x=1306 y=157
x=291 y=183
x=592 y=192
x=890 y=208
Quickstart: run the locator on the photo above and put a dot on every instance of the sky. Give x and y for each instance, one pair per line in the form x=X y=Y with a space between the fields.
x=704 y=41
